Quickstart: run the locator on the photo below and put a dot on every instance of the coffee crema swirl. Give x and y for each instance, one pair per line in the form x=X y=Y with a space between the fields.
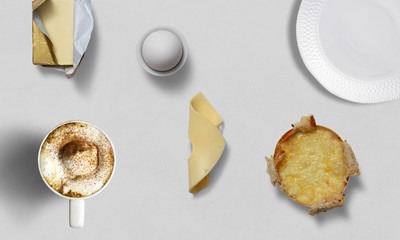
x=76 y=159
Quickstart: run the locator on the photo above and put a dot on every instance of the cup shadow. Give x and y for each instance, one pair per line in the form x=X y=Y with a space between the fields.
x=297 y=57
x=21 y=186
x=215 y=173
x=176 y=82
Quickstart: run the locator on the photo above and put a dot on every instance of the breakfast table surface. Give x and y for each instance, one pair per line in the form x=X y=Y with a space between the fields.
x=243 y=57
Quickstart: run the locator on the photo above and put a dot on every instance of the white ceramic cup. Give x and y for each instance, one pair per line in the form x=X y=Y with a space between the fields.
x=77 y=205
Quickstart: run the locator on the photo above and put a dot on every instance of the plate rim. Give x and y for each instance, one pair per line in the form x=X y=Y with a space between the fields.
x=332 y=79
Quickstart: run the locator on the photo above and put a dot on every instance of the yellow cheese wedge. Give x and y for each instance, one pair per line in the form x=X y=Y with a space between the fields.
x=207 y=142
x=58 y=19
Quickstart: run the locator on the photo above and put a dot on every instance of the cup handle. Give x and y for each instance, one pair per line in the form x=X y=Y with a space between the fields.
x=76 y=213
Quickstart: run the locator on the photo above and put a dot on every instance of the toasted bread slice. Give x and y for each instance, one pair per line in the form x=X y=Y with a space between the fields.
x=312 y=165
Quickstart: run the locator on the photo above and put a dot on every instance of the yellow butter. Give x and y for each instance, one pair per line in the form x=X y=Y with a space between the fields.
x=58 y=19
x=207 y=142
x=42 y=53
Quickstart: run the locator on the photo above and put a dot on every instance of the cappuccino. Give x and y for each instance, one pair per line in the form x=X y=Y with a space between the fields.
x=76 y=159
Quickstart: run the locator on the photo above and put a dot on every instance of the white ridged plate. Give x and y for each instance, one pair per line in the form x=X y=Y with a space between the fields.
x=352 y=47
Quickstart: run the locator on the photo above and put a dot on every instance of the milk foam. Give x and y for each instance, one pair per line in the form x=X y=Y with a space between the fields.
x=76 y=159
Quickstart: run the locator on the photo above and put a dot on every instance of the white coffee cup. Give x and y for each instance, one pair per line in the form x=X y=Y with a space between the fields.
x=77 y=205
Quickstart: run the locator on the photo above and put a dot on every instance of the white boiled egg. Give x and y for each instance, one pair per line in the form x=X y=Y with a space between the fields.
x=162 y=50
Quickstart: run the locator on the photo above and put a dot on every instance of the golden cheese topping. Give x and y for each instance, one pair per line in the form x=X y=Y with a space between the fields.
x=313 y=167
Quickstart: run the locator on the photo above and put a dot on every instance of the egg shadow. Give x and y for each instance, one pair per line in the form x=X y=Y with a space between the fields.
x=176 y=82
x=294 y=50
x=22 y=189
x=215 y=174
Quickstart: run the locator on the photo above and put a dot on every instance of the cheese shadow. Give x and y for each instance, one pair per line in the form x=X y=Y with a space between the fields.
x=176 y=82
x=215 y=174
x=22 y=189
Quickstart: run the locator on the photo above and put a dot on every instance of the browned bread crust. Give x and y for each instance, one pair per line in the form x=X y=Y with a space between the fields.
x=308 y=124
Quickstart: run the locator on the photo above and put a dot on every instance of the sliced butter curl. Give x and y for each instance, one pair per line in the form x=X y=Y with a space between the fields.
x=207 y=142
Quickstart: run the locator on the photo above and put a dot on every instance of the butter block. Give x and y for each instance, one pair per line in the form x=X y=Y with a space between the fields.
x=42 y=48
x=58 y=19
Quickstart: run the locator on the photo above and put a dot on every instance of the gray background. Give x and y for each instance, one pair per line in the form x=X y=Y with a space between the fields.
x=243 y=57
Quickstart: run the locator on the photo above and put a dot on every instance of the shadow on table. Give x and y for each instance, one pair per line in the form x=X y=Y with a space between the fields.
x=297 y=57
x=83 y=77
x=176 y=82
x=341 y=212
x=216 y=173
x=23 y=193
x=336 y=213
x=293 y=205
